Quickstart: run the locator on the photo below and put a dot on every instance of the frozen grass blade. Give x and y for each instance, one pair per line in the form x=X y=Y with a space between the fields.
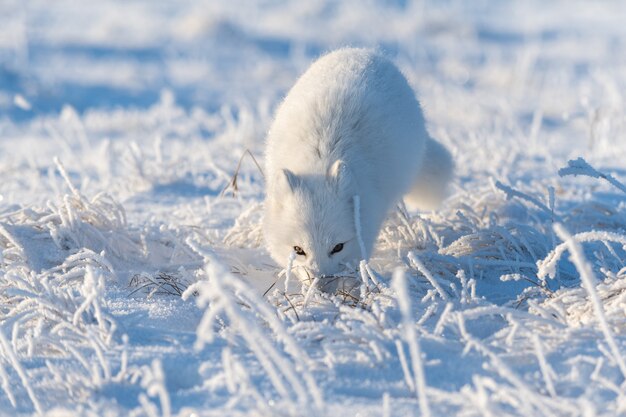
x=310 y=291
x=233 y=182
x=423 y=270
x=410 y=336
x=546 y=371
x=154 y=382
x=66 y=177
x=292 y=257
x=10 y=355
x=357 y=225
x=547 y=266
x=581 y=167
x=589 y=282
x=510 y=193
x=408 y=378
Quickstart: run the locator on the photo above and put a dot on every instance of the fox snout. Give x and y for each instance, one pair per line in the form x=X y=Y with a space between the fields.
x=315 y=270
x=323 y=271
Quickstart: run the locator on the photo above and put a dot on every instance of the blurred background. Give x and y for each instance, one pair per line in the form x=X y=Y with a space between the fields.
x=118 y=53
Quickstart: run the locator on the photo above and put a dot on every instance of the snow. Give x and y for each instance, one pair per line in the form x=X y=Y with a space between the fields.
x=133 y=277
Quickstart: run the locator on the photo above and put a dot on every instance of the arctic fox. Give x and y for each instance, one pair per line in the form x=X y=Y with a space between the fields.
x=350 y=126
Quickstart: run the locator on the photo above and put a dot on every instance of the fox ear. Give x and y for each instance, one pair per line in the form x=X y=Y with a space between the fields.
x=339 y=175
x=289 y=180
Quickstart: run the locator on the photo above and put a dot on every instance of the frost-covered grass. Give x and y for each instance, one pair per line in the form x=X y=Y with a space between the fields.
x=133 y=278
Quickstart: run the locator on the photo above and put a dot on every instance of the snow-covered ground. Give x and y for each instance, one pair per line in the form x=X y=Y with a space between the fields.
x=133 y=278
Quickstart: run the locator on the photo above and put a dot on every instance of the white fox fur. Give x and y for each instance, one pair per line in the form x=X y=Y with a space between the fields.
x=350 y=126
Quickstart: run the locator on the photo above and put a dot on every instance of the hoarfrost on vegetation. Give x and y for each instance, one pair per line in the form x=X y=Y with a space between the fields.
x=133 y=278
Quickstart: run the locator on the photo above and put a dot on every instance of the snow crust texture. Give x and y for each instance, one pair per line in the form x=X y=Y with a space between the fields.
x=133 y=276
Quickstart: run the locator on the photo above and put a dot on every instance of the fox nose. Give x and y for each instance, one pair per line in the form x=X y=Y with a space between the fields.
x=317 y=272
x=314 y=269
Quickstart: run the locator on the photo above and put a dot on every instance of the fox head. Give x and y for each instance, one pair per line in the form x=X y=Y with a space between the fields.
x=313 y=217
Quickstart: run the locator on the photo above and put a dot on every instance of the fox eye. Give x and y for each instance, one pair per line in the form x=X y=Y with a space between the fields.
x=338 y=248
x=299 y=250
